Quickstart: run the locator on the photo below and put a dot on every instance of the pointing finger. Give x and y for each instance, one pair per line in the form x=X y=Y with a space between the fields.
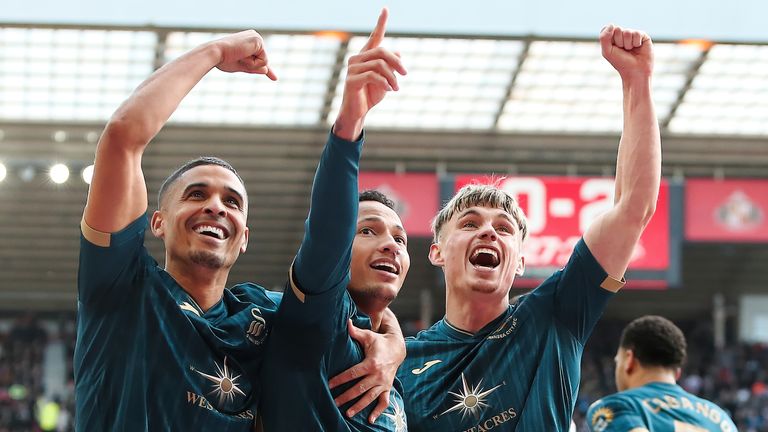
x=377 y=35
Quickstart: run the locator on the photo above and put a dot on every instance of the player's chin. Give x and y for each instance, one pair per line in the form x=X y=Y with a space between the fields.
x=385 y=292
x=208 y=259
x=484 y=286
x=389 y=293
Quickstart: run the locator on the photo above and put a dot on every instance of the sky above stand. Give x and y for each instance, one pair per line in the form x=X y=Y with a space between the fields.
x=740 y=20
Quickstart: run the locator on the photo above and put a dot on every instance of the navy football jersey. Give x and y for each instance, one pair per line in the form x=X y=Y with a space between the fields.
x=148 y=358
x=521 y=371
x=310 y=342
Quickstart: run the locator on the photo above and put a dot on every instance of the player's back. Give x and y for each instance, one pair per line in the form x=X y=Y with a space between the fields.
x=657 y=407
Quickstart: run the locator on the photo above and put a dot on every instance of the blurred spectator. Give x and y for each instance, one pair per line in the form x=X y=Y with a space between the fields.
x=48 y=414
x=23 y=407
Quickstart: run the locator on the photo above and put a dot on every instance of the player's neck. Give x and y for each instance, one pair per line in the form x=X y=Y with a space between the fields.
x=474 y=313
x=370 y=306
x=204 y=285
x=647 y=376
x=376 y=320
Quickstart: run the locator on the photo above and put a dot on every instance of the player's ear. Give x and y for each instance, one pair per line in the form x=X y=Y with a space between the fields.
x=435 y=255
x=244 y=244
x=630 y=363
x=157 y=224
x=520 y=269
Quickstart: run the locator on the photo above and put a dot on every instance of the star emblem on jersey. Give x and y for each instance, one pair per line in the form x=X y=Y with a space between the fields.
x=601 y=419
x=398 y=418
x=470 y=400
x=224 y=383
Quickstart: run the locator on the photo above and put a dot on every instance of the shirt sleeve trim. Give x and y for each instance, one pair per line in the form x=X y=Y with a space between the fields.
x=294 y=286
x=612 y=284
x=95 y=237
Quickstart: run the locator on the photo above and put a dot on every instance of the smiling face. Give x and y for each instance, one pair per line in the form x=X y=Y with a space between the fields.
x=479 y=249
x=202 y=218
x=380 y=259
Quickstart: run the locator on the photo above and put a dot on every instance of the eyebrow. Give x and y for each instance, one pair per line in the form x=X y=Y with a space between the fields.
x=203 y=185
x=379 y=219
x=502 y=214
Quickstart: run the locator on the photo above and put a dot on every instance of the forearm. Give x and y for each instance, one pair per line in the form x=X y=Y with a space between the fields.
x=145 y=112
x=638 y=168
x=330 y=226
x=118 y=193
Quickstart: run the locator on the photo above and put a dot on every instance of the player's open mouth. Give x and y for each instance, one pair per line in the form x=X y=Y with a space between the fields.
x=212 y=231
x=484 y=257
x=386 y=265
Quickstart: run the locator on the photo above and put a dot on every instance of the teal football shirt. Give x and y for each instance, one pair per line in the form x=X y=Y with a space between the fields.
x=657 y=407
x=147 y=358
x=520 y=372
x=310 y=342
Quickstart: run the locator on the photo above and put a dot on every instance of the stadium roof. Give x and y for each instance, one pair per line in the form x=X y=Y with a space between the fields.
x=470 y=104
x=459 y=83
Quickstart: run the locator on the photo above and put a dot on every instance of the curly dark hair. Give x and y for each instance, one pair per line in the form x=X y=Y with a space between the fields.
x=374 y=195
x=655 y=341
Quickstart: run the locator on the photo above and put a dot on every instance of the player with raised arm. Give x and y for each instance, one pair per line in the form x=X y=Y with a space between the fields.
x=311 y=338
x=169 y=348
x=488 y=365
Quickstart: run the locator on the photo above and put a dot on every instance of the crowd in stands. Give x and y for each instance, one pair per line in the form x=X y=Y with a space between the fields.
x=24 y=403
x=736 y=377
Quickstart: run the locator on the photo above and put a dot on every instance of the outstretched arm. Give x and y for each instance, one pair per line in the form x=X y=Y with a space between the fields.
x=118 y=194
x=613 y=236
x=330 y=226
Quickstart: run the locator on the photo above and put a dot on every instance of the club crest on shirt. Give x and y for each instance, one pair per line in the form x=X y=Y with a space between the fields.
x=601 y=419
x=256 y=332
x=505 y=329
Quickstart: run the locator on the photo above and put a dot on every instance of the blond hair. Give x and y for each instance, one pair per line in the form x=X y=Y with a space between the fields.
x=486 y=195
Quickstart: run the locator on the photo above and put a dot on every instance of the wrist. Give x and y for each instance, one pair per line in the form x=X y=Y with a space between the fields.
x=348 y=129
x=636 y=80
x=214 y=51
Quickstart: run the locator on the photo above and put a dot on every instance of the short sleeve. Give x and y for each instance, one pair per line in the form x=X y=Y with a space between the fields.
x=579 y=295
x=110 y=263
x=315 y=320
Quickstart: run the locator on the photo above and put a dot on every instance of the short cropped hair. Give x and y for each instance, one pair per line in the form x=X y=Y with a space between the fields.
x=374 y=195
x=203 y=160
x=487 y=195
x=655 y=341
